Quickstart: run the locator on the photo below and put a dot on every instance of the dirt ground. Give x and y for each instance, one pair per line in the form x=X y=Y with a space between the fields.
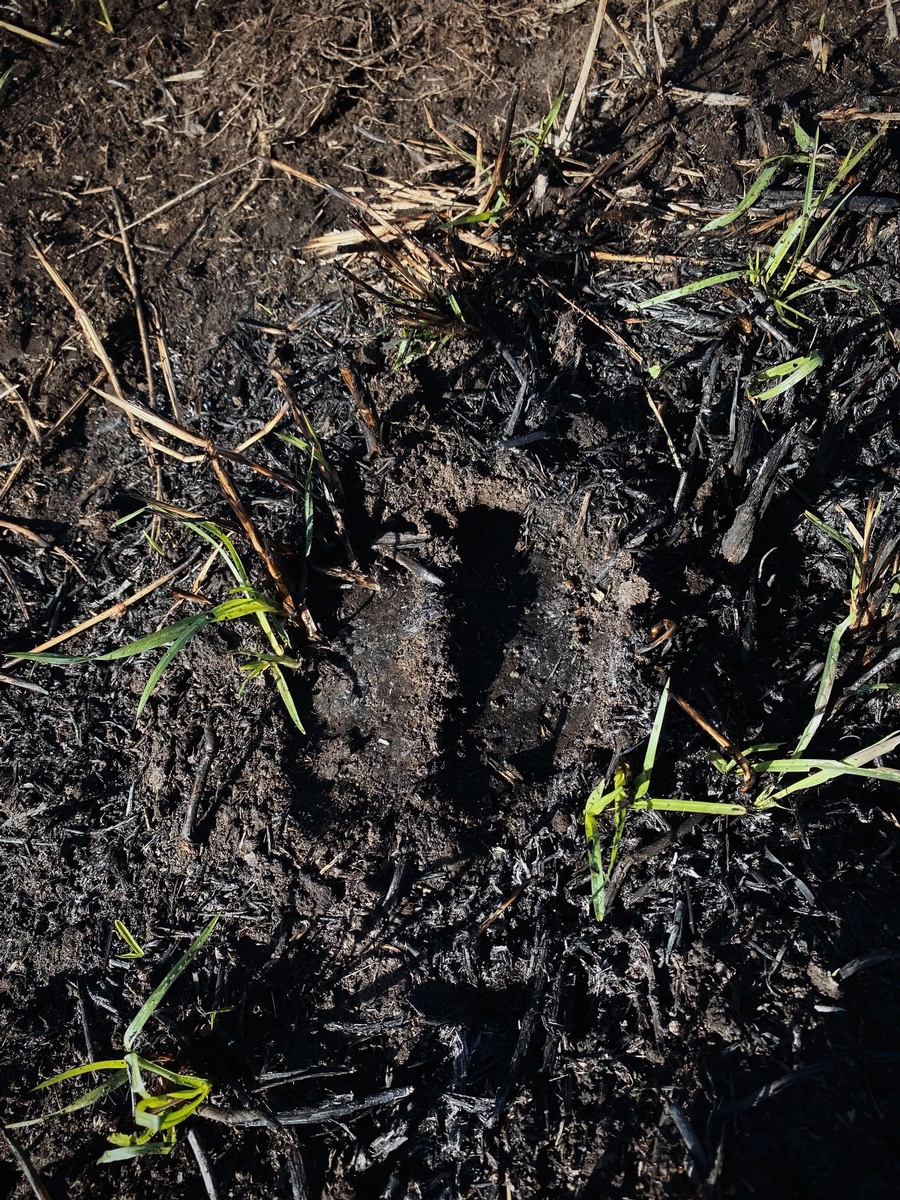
x=405 y=948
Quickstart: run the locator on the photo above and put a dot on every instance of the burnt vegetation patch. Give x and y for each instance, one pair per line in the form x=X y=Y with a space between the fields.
x=449 y=479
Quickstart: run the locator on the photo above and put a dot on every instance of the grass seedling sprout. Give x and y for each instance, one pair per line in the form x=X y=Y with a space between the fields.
x=245 y=601
x=775 y=274
x=104 y=20
x=134 y=950
x=5 y=83
x=629 y=793
x=157 y=1113
x=548 y=122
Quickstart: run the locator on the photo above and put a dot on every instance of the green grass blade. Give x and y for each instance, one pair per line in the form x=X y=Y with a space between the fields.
x=595 y=863
x=805 y=250
x=224 y=546
x=188 y=1081
x=864 y=688
x=549 y=119
x=128 y=517
x=831 y=532
x=5 y=84
x=689 y=289
x=147 y=1118
x=475 y=218
x=134 y=949
x=726 y=762
x=286 y=698
x=883 y=774
x=810 y=187
x=785 y=375
x=753 y=193
x=642 y=783
x=802 y=138
x=823 y=695
x=153 y=641
x=116 y=1080
x=107 y=1064
x=711 y=807
x=314 y=441
x=618 y=833
x=59 y=660
x=240 y=606
x=105 y=21
x=175 y=649
x=261 y=662
x=293 y=440
x=833 y=767
x=798 y=228
x=782 y=248
x=884 y=746
x=825 y=285
x=149 y=1007
x=121 y=1153
x=599 y=873
x=852 y=161
x=598 y=801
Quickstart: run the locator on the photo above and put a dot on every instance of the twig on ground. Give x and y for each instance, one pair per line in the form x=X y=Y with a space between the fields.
x=410 y=564
x=698 y=1163
x=84 y=321
x=644 y=854
x=657 y=412
x=708 y=99
x=134 y=286
x=12 y=681
x=165 y=363
x=271 y=424
x=25 y=1164
x=26 y=532
x=527 y=1023
x=509 y=428
x=297 y=1171
x=488 y=922
x=736 y=542
x=140 y=413
x=565 y=134
x=891 y=20
x=254 y=1119
x=636 y=60
x=254 y=537
x=203 y=1164
x=14 y=396
x=192 y=191
x=115 y=611
x=498 y=178
x=365 y=407
x=857 y=114
x=726 y=744
x=14 y=588
x=499 y=345
x=76 y=403
x=21 y=31
x=786 y=1081
x=661 y=633
x=12 y=476
x=200 y=776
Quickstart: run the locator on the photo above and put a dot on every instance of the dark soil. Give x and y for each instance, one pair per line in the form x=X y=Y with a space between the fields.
x=702 y=1039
